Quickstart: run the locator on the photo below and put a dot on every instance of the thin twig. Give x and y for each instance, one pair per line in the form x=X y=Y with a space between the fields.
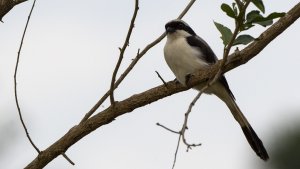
x=67 y=158
x=122 y=51
x=16 y=92
x=159 y=76
x=176 y=151
x=170 y=130
x=239 y=4
x=186 y=9
x=229 y=45
x=184 y=126
x=130 y=67
x=15 y=81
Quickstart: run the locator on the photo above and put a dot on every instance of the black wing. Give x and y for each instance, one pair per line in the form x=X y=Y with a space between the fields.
x=209 y=56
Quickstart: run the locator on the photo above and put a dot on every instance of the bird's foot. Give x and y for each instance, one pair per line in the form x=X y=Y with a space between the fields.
x=176 y=81
x=187 y=78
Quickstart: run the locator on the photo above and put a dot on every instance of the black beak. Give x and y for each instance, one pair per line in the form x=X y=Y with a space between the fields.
x=170 y=30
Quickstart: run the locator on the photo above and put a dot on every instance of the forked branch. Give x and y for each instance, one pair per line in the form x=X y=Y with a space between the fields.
x=122 y=51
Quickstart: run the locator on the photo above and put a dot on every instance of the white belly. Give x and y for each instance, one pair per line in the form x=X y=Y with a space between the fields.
x=182 y=58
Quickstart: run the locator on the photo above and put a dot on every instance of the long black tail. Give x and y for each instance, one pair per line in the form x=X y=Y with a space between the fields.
x=255 y=142
x=250 y=134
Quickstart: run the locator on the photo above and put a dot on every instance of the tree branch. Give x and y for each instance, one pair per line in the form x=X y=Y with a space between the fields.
x=154 y=94
x=15 y=84
x=133 y=63
x=122 y=51
x=7 y=5
x=15 y=80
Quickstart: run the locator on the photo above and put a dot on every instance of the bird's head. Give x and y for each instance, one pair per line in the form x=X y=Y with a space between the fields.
x=178 y=28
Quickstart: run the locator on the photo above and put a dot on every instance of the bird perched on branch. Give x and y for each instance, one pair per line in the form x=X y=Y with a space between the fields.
x=186 y=53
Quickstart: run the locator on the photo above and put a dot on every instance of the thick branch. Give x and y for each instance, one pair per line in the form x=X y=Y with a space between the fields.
x=154 y=94
x=7 y=5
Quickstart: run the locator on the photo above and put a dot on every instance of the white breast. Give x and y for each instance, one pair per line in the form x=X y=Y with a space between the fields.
x=182 y=58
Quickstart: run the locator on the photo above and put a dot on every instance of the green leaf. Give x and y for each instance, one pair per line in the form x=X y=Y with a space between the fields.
x=225 y=32
x=272 y=16
x=275 y=15
x=243 y=39
x=254 y=17
x=269 y=19
x=259 y=4
x=265 y=23
x=228 y=10
x=251 y=16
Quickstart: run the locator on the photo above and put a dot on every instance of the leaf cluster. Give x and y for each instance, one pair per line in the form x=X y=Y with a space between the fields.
x=244 y=20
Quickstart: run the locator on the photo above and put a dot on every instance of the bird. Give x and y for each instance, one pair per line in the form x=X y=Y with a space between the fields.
x=186 y=53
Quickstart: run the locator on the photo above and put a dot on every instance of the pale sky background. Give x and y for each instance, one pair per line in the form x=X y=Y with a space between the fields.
x=69 y=54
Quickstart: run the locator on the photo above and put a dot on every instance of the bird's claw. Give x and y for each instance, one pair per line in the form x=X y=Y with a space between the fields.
x=188 y=77
x=176 y=81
